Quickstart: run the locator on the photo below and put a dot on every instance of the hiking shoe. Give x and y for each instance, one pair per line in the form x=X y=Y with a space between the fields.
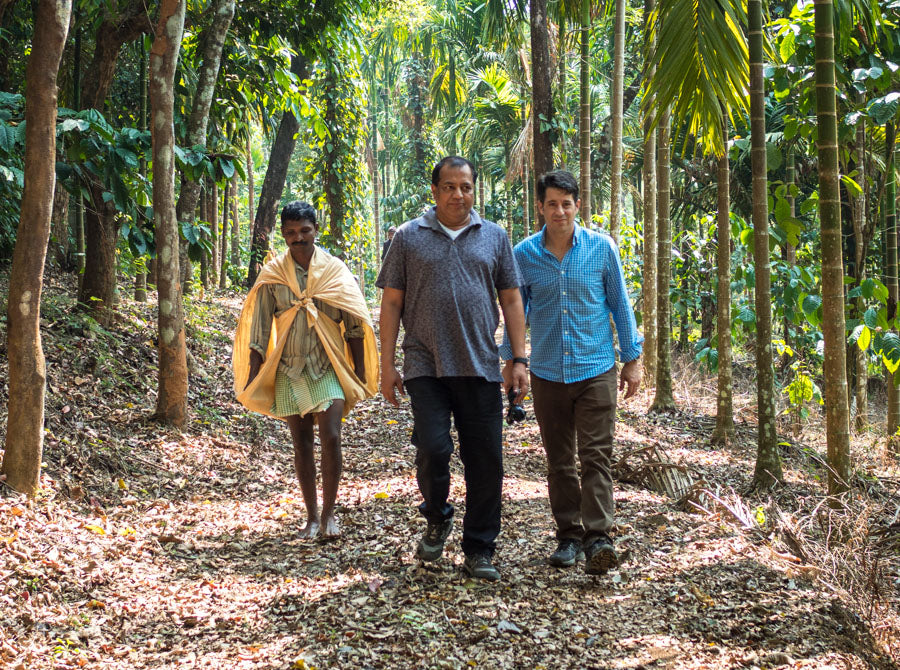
x=480 y=566
x=567 y=552
x=431 y=546
x=600 y=556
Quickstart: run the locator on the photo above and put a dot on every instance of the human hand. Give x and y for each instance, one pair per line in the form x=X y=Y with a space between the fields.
x=391 y=382
x=515 y=376
x=630 y=377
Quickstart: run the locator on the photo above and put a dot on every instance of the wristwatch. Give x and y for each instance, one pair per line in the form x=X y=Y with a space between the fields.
x=521 y=359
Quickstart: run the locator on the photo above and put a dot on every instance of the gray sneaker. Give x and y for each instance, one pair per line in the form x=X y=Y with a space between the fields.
x=567 y=552
x=431 y=546
x=480 y=567
x=600 y=556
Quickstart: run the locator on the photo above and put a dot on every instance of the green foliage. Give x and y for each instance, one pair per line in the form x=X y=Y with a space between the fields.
x=337 y=143
x=12 y=176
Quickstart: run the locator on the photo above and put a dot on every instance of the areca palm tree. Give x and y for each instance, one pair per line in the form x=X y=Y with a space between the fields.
x=837 y=411
x=615 y=175
x=700 y=72
x=768 y=470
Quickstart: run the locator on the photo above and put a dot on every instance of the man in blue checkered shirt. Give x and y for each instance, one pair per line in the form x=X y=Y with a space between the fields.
x=572 y=283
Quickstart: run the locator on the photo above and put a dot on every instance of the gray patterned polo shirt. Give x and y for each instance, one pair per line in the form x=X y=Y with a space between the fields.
x=450 y=309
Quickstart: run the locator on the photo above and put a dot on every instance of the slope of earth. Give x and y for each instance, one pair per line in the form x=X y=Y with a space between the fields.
x=155 y=548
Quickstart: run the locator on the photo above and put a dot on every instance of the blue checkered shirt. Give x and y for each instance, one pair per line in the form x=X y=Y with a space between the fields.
x=568 y=304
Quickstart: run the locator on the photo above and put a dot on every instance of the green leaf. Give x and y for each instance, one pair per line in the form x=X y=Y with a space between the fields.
x=782 y=210
x=870 y=318
x=884 y=109
x=867 y=288
x=746 y=315
x=811 y=303
x=788 y=46
x=774 y=158
x=852 y=187
x=810 y=203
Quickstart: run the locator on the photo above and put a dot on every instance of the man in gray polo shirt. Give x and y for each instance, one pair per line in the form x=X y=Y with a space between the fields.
x=442 y=277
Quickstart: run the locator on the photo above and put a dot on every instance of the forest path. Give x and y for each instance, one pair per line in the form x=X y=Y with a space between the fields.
x=163 y=549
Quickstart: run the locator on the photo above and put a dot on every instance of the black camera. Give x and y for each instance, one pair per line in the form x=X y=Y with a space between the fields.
x=516 y=412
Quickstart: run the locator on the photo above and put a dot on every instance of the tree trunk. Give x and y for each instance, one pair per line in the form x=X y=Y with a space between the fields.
x=663 y=400
x=724 y=431
x=858 y=205
x=837 y=411
x=171 y=404
x=273 y=182
x=890 y=226
x=250 y=180
x=790 y=253
x=584 y=117
x=140 y=277
x=648 y=178
x=542 y=96
x=101 y=229
x=79 y=202
x=561 y=67
x=335 y=196
x=615 y=175
x=223 y=249
x=526 y=213
x=235 y=224
x=59 y=239
x=210 y=44
x=27 y=371
x=768 y=460
x=212 y=213
x=376 y=206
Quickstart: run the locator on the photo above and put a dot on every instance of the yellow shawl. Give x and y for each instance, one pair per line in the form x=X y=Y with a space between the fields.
x=330 y=281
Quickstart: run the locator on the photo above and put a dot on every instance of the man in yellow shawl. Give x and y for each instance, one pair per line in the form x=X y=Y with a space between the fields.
x=304 y=352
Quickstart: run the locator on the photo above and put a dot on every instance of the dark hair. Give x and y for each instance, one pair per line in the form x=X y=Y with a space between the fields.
x=560 y=179
x=299 y=211
x=454 y=162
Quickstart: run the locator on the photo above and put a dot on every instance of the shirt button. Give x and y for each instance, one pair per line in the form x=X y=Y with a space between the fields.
x=564 y=292
x=565 y=311
x=567 y=353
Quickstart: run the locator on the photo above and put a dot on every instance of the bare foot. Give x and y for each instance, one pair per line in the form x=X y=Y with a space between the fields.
x=311 y=529
x=330 y=528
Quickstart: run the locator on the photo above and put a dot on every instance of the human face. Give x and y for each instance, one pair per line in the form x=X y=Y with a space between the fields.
x=300 y=236
x=559 y=209
x=454 y=196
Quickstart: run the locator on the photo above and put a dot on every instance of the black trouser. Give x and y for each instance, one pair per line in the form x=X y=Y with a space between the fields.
x=477 y=408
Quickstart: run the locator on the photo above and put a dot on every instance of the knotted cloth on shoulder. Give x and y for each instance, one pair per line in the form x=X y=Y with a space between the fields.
x=330 y=281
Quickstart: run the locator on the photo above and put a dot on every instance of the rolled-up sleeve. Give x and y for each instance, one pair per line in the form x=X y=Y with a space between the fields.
x=262 y=320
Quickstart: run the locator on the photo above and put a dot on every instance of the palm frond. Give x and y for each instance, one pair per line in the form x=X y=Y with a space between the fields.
x=702 y=65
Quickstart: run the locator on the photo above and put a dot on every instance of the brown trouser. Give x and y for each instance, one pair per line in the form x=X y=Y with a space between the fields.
x=583 y=509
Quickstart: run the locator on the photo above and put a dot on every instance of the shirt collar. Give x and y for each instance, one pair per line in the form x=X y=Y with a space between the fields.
x=430 y=220
x=579 y=231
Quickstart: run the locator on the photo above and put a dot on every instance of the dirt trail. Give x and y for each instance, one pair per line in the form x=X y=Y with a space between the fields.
x=162 y=549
